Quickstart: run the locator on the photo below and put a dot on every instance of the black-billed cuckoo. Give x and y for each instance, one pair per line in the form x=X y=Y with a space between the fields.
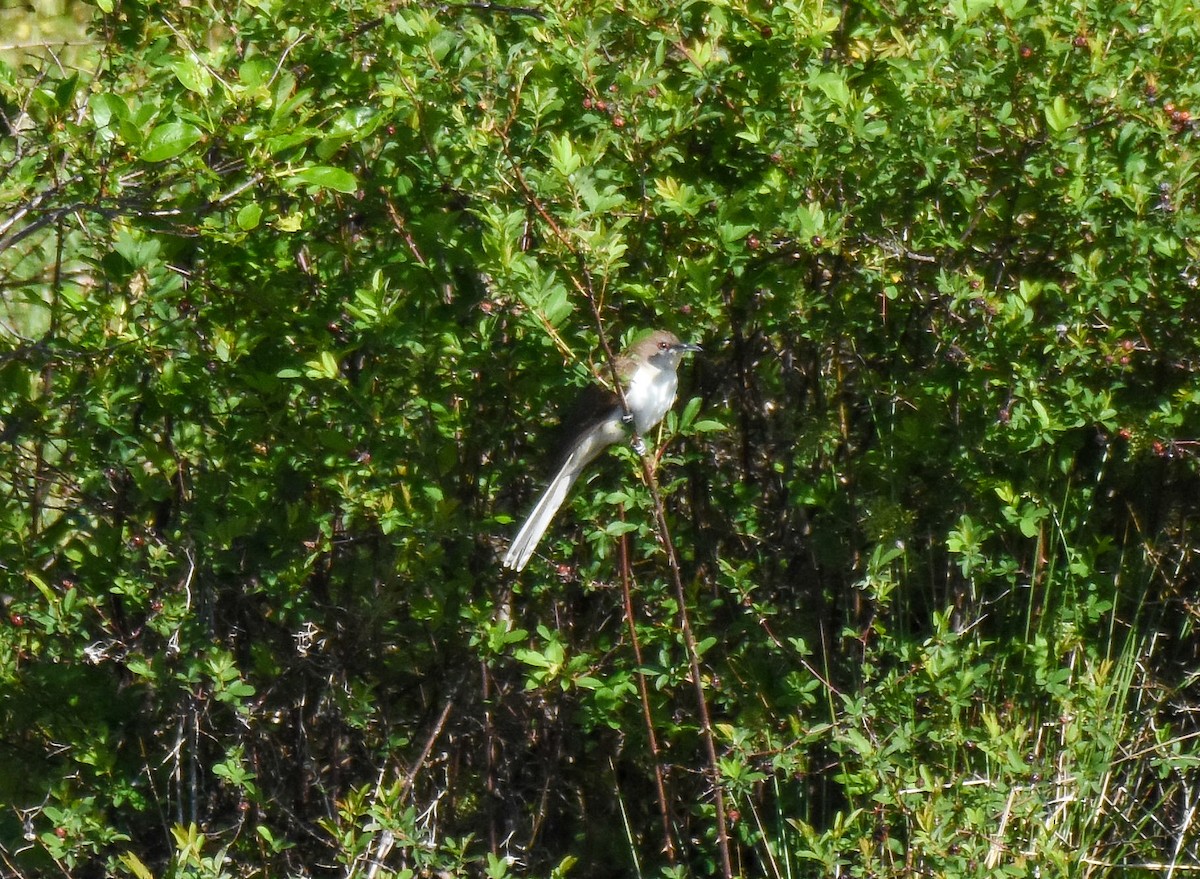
x=647 y=372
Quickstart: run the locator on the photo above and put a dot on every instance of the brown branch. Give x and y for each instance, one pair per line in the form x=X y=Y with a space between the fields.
x=644 y=692
x=402 y=228
x=689 y=641
x=410 y=776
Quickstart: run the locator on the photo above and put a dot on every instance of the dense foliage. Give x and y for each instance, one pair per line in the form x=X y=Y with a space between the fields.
x=291 y=290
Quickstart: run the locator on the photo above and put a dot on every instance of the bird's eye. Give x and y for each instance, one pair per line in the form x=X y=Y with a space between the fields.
x=663 y=346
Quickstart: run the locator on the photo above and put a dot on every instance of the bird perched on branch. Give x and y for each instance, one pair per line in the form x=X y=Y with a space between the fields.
x=648 y=375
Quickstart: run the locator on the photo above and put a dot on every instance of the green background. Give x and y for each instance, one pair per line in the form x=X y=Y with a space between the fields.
x=290 y=293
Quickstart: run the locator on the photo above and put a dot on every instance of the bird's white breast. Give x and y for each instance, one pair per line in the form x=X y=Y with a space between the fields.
x=650 y=394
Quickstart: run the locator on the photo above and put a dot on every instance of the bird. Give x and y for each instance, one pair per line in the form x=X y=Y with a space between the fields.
x=648 y=372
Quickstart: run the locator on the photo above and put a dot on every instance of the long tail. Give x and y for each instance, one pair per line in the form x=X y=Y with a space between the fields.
x=586 y=448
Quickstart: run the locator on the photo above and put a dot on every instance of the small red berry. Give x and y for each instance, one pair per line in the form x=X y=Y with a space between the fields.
x=16 y=619
x=618 y=121
x=1026 y=52
x=1080 y=41
x=602 y=106
x=587 y=103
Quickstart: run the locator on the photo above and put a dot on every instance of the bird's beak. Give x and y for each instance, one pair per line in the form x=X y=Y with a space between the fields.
x=689 y=347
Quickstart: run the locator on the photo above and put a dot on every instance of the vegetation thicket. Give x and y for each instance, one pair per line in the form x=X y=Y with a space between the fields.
x=289 y=292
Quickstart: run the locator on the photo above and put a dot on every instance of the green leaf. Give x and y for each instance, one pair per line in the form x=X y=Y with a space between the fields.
x=563 y=156
x=170 y=140
x=680 y=198
x=107 y=107
x=293 y=222
x=193 y=75
x=255 y=72
x=731 y=233
x=1030 y=517
x=1060 y=116
x=249 y=216
x=129 y=859
x=616 y=529
x=326 y=367
x=1042 y=414
x=833 y=84
x=325 y=177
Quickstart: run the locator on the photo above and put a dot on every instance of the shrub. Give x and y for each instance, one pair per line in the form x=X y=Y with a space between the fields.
x=290 y=291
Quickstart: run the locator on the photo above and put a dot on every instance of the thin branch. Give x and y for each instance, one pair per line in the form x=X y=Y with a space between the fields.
x=689 y=641
x=411 y=776
x=644 y=692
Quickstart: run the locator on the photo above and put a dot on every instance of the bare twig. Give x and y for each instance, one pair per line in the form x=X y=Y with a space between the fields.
x=689 y=641
x=644 y=692
x=434 y=734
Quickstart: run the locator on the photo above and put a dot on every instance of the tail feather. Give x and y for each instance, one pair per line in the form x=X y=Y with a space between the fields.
x=539 y=519
x=586 y=448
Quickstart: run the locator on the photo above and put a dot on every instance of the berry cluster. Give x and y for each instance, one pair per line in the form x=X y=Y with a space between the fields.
x=1180 y=118
x=610 y=106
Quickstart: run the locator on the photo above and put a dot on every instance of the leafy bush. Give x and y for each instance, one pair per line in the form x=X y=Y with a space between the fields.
x=289 y=292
